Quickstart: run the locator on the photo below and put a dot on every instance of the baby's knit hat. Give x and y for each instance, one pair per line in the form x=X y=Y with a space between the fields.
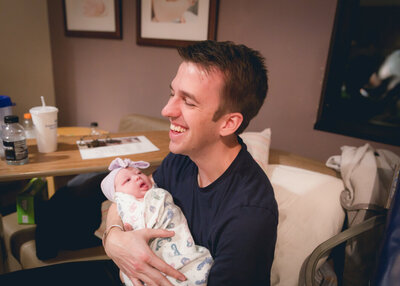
x=107 y=185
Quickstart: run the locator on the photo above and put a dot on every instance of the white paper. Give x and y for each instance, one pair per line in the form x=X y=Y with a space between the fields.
x=118 y=147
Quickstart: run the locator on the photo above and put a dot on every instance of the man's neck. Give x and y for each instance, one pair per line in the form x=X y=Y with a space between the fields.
x=217 y=160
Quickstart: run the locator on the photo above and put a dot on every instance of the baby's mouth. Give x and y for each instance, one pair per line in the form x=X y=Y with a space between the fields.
x=143 y=186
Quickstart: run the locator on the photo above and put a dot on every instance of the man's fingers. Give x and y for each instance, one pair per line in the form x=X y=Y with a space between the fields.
x=153 y=233
x=136 y=282
x=152 y=277
x=139 y=262
x=121 y=277
x=156 y=262
x=160 y=264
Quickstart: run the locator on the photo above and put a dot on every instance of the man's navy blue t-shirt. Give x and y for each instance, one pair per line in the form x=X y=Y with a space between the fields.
x=235 y=217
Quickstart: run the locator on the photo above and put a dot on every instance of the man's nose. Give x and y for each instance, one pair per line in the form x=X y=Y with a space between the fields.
x=171 y=109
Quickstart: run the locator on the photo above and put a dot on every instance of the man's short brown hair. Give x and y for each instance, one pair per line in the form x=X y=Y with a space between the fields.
x=246 y=81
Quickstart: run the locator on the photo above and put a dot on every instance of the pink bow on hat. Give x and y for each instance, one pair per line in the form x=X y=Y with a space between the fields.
x=125 y=163
x=107 y=185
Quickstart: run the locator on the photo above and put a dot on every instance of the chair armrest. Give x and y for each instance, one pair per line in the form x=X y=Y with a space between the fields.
x=323 y=248
x=281 y=157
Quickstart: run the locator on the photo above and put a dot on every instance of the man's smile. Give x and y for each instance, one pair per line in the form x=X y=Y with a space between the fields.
x=177 y=128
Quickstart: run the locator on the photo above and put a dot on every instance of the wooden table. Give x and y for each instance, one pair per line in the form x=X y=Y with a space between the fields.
x=77 y=131
x=67 y=159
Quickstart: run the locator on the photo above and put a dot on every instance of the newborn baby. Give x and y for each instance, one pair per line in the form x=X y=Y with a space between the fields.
x=142 y=205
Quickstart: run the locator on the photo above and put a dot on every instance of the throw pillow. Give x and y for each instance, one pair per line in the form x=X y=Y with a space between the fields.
x=309 y=213
x=258 y=144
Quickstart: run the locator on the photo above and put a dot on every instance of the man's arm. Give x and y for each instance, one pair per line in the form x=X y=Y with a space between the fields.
x=245 y=249
x=132 y=254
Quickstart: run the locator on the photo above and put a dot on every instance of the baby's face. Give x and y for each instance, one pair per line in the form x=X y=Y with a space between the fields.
x=132 y=181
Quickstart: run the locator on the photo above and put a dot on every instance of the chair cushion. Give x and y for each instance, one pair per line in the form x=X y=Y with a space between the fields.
x=309 y=213
x=28 y=258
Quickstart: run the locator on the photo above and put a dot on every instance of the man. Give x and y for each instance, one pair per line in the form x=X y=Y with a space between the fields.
x=226 y=197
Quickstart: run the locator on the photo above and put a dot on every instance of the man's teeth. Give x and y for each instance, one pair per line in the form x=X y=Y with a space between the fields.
x=177 y=128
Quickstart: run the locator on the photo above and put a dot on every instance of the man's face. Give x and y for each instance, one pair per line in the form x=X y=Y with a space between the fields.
x=132 y=181
x=195 y=96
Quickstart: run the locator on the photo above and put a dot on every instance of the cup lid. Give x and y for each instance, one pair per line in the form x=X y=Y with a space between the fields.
x=43 y=109
x=5 y=101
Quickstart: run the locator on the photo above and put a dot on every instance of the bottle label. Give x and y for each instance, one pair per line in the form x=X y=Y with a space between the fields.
x=15 y=151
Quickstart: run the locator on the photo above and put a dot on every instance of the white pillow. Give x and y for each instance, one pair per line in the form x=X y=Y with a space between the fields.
x=309 y=213
x=258 y=144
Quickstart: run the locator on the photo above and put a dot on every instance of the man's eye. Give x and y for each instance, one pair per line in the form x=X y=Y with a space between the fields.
x=188 y=103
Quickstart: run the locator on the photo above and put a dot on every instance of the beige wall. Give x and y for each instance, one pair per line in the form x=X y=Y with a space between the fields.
x=26 y=69
x=101 y=80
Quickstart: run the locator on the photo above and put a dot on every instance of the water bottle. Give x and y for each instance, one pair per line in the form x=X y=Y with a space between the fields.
x=28 y=126
x=93 y=129
x=5 y=109
x=14 y=141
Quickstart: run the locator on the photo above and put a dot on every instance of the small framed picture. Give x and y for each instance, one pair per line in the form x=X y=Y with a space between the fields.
x=175 y=23
x=93 y=18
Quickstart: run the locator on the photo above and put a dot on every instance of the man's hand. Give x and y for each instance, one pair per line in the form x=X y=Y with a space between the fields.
x=132 y=254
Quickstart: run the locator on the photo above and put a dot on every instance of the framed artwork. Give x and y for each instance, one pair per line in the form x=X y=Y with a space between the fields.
x=175 y=23
x=93 y=18
x=361 y=89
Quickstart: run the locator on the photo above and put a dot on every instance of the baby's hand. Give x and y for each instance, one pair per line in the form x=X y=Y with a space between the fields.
x=127 y=227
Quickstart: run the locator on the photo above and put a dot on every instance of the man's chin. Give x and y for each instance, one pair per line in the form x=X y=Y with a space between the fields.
x=175 y=149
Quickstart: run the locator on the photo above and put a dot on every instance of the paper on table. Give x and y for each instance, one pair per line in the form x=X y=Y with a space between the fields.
x=115 y=147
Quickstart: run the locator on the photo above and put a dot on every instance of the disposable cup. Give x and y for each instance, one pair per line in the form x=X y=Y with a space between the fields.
x=45 y=120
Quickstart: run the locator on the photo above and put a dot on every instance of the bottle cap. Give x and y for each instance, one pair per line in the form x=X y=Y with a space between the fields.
x=27 y=116
x=5 y=101
x=11 y=119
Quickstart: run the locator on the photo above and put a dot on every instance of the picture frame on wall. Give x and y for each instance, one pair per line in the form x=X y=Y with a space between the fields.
x=93 y=18
x=175 y=23
x=361 y=88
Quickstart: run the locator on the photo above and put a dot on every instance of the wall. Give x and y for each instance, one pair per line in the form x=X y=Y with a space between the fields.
x=101 y=80
x=26 y=69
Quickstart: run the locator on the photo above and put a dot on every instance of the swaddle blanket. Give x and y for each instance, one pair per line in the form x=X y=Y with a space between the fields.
x=158 y=211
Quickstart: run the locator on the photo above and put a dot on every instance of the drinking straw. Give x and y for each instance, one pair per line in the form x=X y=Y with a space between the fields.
x=42 y=99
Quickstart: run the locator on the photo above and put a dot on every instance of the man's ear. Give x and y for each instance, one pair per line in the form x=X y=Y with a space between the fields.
x=231 y=122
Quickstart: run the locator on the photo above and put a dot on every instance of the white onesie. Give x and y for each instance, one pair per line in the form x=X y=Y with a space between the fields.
x=158 y=211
